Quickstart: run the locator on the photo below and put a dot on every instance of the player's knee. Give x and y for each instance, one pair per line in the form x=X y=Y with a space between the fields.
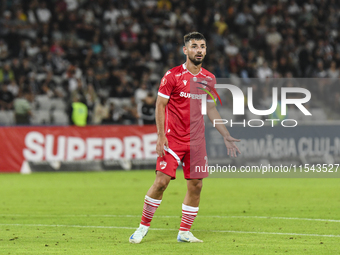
x=199 y=186
x=196 y=187
x=161 y=184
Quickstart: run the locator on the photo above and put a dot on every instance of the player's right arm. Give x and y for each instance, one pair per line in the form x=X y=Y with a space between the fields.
x=160 y=119
x=164 y=92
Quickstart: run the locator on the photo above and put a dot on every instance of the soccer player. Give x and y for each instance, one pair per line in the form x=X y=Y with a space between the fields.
x=180 y=128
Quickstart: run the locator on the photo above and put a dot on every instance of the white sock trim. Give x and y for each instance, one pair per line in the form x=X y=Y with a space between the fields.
x=189 y=208
x=152 y=200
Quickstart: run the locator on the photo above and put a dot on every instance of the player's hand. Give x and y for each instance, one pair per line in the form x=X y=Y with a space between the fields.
x=231 y=147
x=161 y=141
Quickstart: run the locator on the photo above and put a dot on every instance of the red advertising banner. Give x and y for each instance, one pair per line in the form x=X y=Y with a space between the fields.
x=70 y=143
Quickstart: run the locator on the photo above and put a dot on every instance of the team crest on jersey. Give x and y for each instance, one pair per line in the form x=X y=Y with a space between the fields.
x=163 y=164
x=164 y=81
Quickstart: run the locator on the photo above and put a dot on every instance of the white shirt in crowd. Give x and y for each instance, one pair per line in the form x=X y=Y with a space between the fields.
x=112 y=15
x=71 y=5
x=264 y=72
x=44 y=15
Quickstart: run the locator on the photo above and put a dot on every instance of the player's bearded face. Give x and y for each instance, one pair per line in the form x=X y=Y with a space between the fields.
x=196 y=51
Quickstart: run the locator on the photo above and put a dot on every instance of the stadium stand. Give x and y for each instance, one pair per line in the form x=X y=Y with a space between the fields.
x=40 y=117
x=56 y=49
x=60 y=118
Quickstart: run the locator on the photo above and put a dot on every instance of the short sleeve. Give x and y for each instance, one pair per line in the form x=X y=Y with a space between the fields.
x=167 y=85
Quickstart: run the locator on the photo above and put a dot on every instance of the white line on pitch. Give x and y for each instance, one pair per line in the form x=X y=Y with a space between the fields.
x=165 y=216
x=171 y=229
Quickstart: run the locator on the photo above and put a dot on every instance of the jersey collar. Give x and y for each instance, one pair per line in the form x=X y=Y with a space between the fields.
x=185 y=68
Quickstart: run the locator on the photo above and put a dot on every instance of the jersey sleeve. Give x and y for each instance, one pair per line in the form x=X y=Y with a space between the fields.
x=167 y=85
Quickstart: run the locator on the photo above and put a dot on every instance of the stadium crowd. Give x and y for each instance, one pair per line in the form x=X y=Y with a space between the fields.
x=94 y=50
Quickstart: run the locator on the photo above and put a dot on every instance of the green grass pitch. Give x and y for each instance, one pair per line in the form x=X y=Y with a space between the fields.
x=95 y=213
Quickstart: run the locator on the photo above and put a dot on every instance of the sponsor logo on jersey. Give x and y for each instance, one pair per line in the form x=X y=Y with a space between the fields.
x=168 y=72
x=188 y=95
x=163 y=164
x=185 y=82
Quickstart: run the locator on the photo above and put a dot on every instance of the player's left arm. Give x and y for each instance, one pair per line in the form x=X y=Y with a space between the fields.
x=228 y=139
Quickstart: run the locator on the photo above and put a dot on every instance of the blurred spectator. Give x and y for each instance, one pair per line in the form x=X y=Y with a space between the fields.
x=220 y=24
x=333 y=72
x=141 y=93
x=124 y=90
x=111 y=14
x=273 y=37
x=90 y=96
x=71 y=5
x=114 y=116
x=113 y=82
x=259 y=8
x=155 y=49
x=22 y=109
x=112 y=49
x=102 y=73
x=56 y=48
x=128 y=38
x=6 y=23
x=101 y=112
x=74 y=83
x=320 y=72
x=96 y=46
x=148 y=109
x=25 y=68
x=78 y=92
x=6 y=98
x=56 y=34
x=32 y=50
x=13 y=88
x=78 y=112
x=231 y=49
x=90 y=78
x=221 y=70
x=6 y=74
x=284 y=67
x=3 y=50
x=44 y=15
x=293 y=8
x=264 y=72
x=16 y=68
x=129 y=113
x=49 y=87
x=164 y=4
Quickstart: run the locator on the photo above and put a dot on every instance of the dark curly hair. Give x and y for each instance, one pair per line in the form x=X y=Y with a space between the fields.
x=195 y=36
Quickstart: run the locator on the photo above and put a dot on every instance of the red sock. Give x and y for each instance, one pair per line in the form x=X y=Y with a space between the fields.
x=189 y=213
x=149 y=209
